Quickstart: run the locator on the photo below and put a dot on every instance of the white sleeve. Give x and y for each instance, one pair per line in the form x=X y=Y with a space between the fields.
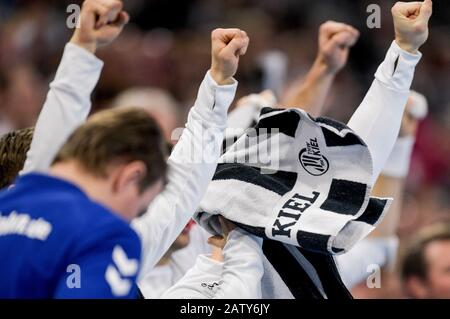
x=399 y=160
x=243 y=267
x=356 y=265
x=191 y=167
x=238 y=277
x=66 y=107
x=377 y=120
x=200 y=282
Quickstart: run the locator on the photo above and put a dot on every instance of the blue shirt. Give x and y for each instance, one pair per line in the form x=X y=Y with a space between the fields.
x=57 y=243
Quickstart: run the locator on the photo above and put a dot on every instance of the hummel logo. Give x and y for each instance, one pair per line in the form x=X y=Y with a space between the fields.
x=121 y=267
x=127 y=267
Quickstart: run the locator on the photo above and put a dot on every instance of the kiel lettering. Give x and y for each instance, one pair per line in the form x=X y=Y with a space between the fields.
x=290 y=213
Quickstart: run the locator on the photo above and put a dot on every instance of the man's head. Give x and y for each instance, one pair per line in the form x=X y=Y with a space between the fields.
x=426 y=264
x=13 y=152
x=118 y=157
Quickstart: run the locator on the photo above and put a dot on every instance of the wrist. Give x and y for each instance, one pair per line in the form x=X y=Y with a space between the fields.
x=216 y=254
x=88 y=46
x=322 y=69
x=220 y=79
x=407 y=46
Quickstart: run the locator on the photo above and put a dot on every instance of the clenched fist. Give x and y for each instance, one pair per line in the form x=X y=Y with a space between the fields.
x=227 y=46
x=100 y=22
x=335 y=41
x=411 y=24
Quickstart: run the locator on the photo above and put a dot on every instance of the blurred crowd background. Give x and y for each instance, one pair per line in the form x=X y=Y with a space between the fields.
x=167 y=46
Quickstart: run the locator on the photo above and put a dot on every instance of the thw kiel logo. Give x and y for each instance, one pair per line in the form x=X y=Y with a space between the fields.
x=312 y=159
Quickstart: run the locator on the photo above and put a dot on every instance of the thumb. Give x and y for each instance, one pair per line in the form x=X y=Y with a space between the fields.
x=426 y=10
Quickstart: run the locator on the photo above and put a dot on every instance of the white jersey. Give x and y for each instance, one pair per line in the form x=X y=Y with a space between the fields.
x=67 y=107
x=238 y=277
x=159 y=279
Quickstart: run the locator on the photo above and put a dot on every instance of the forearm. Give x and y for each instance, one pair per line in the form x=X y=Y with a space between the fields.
x=200 y=282
x=377 y=120
x=391 y=183
x=66 y=107
x=191 y=167
x=311 y=92
x=243 y=267
x=387 y=186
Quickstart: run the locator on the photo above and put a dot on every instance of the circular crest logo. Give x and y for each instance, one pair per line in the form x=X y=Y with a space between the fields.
x=312 y=159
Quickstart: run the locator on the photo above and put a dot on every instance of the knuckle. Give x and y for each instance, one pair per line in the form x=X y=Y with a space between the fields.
x=215 y=33
x=325 y=25
x=395 y=7
x=86 y=4
x=116 y=5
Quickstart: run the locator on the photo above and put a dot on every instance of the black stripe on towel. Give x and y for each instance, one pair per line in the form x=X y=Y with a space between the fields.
x=337 y=125
x=345 y=197
x=292 y=273
x=227 y=143
x=286 y=122
x=279 y=182
x=373 y=211
x=337 y=250
x=329 y=275
x=333 y=139
x=257 y=231
x=313 y=241
x=267 y=110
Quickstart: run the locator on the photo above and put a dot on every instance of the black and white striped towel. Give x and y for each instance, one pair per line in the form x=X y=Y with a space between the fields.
x=299 y=181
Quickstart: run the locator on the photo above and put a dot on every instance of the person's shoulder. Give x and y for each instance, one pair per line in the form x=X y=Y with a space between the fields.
x=103 y=224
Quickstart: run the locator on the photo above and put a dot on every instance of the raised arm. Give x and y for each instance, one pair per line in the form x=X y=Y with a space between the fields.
x=380 y=247
x=377 y=120
x=68 y=101
x=310 y=92
x=194 y=158
x=392 y=181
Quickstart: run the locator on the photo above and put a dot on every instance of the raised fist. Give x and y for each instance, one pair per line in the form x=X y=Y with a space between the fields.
x=335 y=41
x=411 y=24
x=100 y=22
x=227 y=46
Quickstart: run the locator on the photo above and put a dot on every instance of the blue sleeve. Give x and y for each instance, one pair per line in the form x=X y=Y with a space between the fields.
x=105 y=267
